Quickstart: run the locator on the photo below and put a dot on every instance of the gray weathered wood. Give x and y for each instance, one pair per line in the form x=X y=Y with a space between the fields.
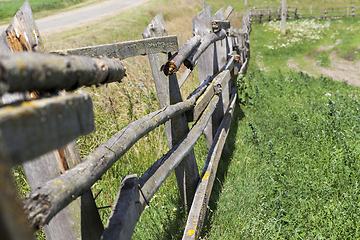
x=206 y=42
x=202 y=26
x=216 y=86
x=218 y=24
x=173 y=65
x=124 y=214
x=45 y=202
x=228 y=12
x=13 y=222
x=184 y=77
x=203 y=192
x=81 y=219
x=22 y=33
x=36 y=127
x=153 y=178
x=49 y=73
x=127 y=49
x=187 y=173
x=4 y=43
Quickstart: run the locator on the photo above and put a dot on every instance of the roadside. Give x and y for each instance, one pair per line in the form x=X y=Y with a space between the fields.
x=78 y=17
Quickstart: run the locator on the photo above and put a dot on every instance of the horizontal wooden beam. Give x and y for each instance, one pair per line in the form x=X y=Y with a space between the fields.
x=127 y=49
x=203 y=192
x=206 y=41
x=44 y=203
x=36 y=127
x=215 y=87
x=124 y=214
x=26 y=71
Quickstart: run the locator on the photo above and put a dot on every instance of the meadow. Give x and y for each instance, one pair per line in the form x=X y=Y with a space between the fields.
x=292 y=161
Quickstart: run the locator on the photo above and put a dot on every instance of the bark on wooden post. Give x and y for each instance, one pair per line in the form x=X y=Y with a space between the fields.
x=283 y=17
x=80 y=219
x=168 y=92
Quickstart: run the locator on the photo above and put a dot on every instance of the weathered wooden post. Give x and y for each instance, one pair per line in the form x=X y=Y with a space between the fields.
x=268 y=12
x=283 y=17
x=168 y=92
x=245 y=3
x=80 y=219
x=295 y=12
x=279 y=14
x=353 y=11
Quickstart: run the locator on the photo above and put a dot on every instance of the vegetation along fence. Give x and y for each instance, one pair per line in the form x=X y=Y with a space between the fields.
x=274 y=13
x=38 y=124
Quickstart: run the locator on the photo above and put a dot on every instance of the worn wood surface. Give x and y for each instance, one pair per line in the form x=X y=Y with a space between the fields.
x=228 y=12
x=125 y=213
x=163 y=44
x=13 y=222
x=153 y=178
x=49 y=73
x=45 y=202
x=217 y=85
x=22 y=33
x=173 y=65
x=81 y=219
x=33 y=128
x=187 y=174
x=206 y=42
x=198 y=209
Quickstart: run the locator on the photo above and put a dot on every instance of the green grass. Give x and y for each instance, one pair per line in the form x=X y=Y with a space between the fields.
x=294 y=173
x=268 y=44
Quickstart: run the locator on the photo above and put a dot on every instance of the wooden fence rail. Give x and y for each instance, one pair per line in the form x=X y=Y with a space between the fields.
x=274 y=13
x=33 y=124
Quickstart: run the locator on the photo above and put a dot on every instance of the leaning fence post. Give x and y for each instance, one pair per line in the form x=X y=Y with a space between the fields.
x=80 y=219
x=168 y=92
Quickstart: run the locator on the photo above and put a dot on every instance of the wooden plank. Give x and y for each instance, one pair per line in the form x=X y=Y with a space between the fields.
x=125 y=213
x=4 y=43
x=168 y=91
x=203 y=192
x=49 y=73
x=80 y=219
x=45 y=202
x=34 y=128
x=13 y=222
x=218 y=24
x=228 y=11
x=184 y=77
x=163 y=44
x=22 y=32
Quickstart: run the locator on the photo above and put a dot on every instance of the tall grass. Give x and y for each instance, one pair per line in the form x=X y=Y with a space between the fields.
x=295 y=170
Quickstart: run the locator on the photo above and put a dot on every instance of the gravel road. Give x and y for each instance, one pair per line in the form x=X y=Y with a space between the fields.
x=76 y=17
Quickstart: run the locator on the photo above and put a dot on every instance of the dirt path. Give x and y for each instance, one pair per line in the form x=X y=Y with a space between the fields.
x=340 y=68
x=77 y=17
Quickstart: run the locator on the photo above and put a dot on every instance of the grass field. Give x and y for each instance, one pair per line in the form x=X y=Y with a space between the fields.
x=254 y=174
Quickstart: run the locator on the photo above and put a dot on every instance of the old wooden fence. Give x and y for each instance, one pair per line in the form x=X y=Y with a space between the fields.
x=274 y=13
x=38 y=125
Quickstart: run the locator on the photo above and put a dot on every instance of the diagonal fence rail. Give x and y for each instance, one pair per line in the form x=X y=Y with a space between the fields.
x=32 y=126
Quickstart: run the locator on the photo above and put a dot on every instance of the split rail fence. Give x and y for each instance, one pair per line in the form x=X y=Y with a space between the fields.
x=274 y=13
x=38 y=124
